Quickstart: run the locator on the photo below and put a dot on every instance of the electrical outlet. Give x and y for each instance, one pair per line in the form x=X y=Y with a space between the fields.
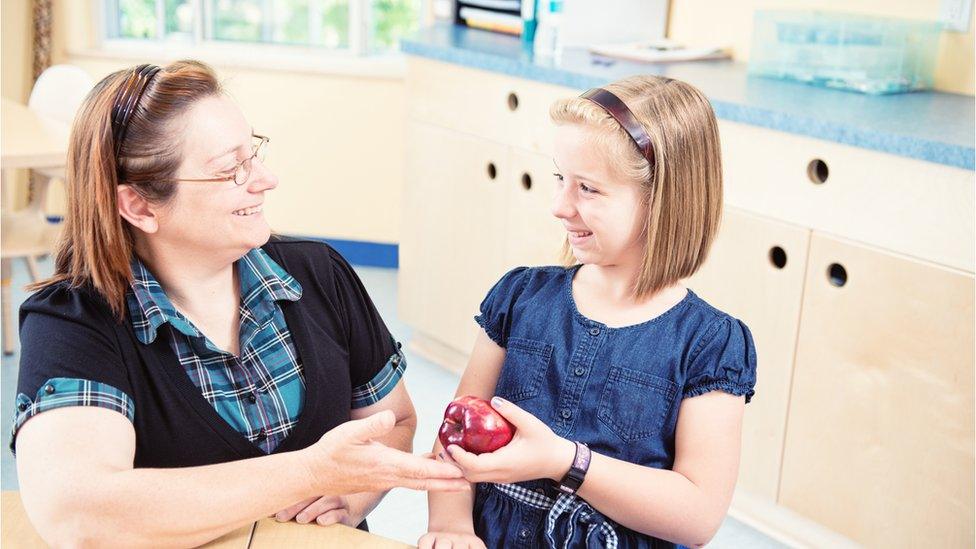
x=955 y=14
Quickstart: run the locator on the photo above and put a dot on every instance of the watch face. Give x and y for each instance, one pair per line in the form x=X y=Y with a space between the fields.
x=584 y=460
x=574 y=477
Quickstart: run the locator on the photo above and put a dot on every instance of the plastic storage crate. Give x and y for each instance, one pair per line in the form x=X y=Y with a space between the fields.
x=868 y=54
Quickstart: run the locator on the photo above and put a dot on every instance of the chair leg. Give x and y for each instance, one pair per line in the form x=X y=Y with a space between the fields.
x=35 y=274
x=8 y=317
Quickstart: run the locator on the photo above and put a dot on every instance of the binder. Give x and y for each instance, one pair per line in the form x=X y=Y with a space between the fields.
x=495 y=15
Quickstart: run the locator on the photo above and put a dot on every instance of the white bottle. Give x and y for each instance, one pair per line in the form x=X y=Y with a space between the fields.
x=548 y=43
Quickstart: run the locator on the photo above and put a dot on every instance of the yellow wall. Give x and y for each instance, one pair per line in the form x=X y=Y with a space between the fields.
x=337 y=141
x=15 y=79
x=729 y=23
x=15 y=18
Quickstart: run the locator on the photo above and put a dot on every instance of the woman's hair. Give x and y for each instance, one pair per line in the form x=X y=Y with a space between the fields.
x=96 y=245
x=681 y=187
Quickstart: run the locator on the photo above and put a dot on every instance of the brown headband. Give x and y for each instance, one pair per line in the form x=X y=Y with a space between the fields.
x=619 y=111
x=127 y=99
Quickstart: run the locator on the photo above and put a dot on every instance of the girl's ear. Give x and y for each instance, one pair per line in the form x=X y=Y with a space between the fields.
x=137 y=210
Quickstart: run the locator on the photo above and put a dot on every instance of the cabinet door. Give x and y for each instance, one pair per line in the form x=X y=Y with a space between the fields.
x=879 y=442
x=755 y=272
x=535 y=236
x=454 y=232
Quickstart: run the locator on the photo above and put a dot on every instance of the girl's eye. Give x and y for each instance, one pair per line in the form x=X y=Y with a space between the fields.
x=585 y=189
x=558 y=176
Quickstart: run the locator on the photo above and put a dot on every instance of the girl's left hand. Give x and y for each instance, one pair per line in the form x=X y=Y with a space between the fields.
x=535 y=451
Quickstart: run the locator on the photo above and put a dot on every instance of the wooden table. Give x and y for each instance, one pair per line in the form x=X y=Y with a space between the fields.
x=265 y=533
x=30 y=140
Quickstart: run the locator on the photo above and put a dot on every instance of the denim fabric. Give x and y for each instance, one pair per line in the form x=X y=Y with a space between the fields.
x=616 y=389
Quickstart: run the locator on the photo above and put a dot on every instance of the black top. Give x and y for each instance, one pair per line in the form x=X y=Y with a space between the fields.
x=338 y=334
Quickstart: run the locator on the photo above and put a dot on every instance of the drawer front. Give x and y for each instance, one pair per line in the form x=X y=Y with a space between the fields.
x=916 y=208
x=501 y=108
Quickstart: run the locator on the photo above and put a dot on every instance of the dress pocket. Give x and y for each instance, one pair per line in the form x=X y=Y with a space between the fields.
x=526 y=362
x=635 y=404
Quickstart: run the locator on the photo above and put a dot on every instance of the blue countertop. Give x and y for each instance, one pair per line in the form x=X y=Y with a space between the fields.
x=931 y=126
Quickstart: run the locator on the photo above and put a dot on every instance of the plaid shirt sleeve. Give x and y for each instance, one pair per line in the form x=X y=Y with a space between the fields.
x=60 y=392
x=382 y=383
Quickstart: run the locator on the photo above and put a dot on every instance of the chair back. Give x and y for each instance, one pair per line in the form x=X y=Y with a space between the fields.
x=59 y=92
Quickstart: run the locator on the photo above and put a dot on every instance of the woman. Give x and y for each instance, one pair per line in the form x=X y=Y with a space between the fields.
x=181 y=375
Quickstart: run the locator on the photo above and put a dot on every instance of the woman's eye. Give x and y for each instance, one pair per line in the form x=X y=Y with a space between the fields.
x=228 y=172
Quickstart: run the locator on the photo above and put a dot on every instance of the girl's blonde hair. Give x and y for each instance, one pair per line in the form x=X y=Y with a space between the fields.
x=97 y=244
x=681 y=187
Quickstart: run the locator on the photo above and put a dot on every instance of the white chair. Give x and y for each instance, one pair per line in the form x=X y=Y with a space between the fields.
x=26 y=233
x=57 y=95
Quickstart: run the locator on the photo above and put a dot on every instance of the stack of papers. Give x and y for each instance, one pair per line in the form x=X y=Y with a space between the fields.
x=658 y=51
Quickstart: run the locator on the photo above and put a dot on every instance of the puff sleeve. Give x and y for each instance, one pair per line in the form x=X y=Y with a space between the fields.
x=498 y=306
x=723 y=360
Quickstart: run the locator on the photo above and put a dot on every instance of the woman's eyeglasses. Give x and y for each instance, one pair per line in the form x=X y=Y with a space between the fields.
x=242 y=171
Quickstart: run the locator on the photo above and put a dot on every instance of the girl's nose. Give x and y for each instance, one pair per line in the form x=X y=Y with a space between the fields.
x=563 y=203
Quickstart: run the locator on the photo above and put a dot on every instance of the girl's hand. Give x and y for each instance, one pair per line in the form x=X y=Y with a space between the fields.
x=454 y=540
x=535 y=452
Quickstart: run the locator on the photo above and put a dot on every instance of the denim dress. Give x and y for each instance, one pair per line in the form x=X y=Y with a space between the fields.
x=616 y=389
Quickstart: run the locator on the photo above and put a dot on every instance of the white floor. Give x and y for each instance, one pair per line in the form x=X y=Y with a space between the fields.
x=403 y=514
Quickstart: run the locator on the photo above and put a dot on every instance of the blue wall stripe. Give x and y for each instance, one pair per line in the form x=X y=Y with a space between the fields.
x=357 y=252
x=363 y=253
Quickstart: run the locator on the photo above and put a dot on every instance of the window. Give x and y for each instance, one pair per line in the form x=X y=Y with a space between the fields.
x=354 y=26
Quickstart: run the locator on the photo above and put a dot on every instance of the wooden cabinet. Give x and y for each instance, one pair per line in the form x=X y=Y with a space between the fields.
x=533 y=235
x=879 y=443
x=755 y=272
x=484 y=210
x=455 y=239
x=479 y=168
x=499 y=108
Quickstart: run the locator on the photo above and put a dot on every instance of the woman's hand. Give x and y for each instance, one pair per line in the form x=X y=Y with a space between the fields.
x=453 y=540
x=325 y=510
x=535 y=451
x=347 y=460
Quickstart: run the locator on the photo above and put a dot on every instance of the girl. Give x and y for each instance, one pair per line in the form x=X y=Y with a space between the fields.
x=626 y=388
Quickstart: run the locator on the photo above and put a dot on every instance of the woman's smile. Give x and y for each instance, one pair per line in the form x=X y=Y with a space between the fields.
x=246 y=212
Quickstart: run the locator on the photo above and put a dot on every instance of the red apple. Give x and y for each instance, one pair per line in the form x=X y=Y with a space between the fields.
x=471 y=423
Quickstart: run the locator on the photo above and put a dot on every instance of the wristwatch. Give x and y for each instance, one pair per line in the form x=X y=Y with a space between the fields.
x=574 y=477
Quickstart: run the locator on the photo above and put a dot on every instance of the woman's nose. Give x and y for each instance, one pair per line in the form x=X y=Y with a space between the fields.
x=262 y=179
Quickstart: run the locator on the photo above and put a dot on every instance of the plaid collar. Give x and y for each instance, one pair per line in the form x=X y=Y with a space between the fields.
x=263 y=282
